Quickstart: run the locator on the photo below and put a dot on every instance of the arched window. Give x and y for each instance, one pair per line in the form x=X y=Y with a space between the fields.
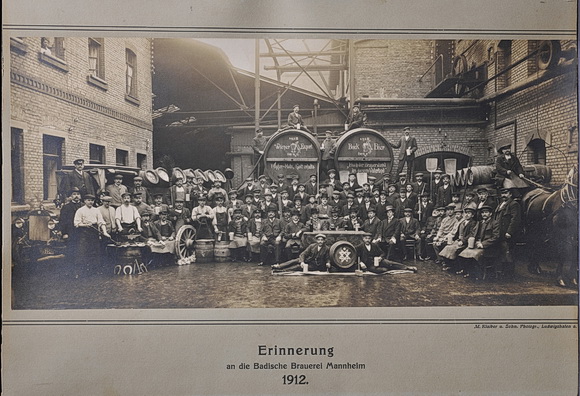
x=537 y=151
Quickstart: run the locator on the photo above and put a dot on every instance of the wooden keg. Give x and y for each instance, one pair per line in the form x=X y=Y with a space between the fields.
x=163 y=177
x=481 y=175
x=538 y=173
x=222 y=251
x=343 y=254
x=126 y=255
x=177 y=172
x=150 y=178
x=204 y=250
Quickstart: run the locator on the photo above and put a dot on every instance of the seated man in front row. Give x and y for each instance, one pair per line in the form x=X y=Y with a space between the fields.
x=371 y=258
x=316 y=257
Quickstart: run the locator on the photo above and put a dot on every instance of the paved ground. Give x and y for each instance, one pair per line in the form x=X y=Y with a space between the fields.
x=45 y=285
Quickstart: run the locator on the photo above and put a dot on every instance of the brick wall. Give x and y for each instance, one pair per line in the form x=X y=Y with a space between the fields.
x=547 y=111
x=392 y=68
x=46 y=100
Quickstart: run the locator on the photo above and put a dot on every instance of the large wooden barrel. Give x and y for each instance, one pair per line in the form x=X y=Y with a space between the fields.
x=363 y=151
x=222 y=251
x=150 y=178
x=219 y=176
x=343 y=254
x=538 y=173
x=204 y=250
x=292 y=152
x=163 y=177
x=177 y=172
x=126 y=255
x=480 y=175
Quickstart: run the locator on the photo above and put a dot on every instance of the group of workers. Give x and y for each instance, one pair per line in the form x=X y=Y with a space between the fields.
x=268 y=217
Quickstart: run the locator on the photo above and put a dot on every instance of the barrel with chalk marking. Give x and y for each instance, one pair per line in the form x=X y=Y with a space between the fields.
x=222 y=251
x=343 y=254
x=204 y=250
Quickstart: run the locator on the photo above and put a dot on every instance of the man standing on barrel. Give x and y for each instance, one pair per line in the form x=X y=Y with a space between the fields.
x=407 y=146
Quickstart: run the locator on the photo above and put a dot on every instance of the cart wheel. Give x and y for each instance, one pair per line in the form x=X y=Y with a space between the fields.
x=549 y=54
x=185 y=240
x=459 y=67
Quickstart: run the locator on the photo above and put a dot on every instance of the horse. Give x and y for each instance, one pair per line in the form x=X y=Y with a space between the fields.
x=551 y=224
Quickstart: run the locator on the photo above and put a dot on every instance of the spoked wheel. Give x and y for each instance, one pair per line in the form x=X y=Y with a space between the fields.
x=185 y=240
x=459 y=68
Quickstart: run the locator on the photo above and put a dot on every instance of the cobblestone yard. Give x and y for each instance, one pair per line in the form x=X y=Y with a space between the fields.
x=46 y=285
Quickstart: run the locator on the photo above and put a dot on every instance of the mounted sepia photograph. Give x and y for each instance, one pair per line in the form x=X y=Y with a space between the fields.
x=163 y=173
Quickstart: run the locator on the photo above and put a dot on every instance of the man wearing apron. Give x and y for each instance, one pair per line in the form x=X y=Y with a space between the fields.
x=220 y=219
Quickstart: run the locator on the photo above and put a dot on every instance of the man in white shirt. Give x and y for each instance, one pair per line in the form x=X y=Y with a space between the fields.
x=127 y=216
x=108 y=214
x=88 y=221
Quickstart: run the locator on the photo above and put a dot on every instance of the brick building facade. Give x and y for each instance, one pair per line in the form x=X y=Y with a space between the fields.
x=76 y=97
x=537 y=109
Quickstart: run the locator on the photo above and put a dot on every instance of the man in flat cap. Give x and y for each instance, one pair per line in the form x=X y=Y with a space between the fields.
x=407 y=145
x=116 y=190
x=444 y=192
x=419 y=185
x=316 y=257
x=271 y=236
x=295 y=119
x=127 y=216
x=78 y=178
x=139 y=204
x=258 y=145
x=508 y=215
x=486 y=240
x=139 y=189
x=248 y=187
x=89 y=222
x=67 y=214
x=178 y=191
x=484 y=199
x=355 y=119
x=372 y=258
x=410 y=229
x=312 y=185
x=328 y=149
x=108 y=214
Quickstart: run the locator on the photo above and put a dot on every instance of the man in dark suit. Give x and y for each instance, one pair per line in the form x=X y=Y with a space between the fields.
x=509 y=216
x=355 y=119
x=444 y=192
x=312 y=186
x=78 y=178
x=407 y=145
x=484 y=199
x=333 y=183
x=144 y=191
x=423 y=209
x=316 y=257
x=369 y=251
x=508 y=166
x=389 y=230
x=486 y=239
x=410 y=229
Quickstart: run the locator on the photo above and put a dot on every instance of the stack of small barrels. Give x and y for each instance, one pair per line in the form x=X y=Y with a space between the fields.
x=484 y=175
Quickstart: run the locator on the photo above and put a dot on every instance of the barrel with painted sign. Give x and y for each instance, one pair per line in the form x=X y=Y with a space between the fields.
x=365 y=152
x=292 y=152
